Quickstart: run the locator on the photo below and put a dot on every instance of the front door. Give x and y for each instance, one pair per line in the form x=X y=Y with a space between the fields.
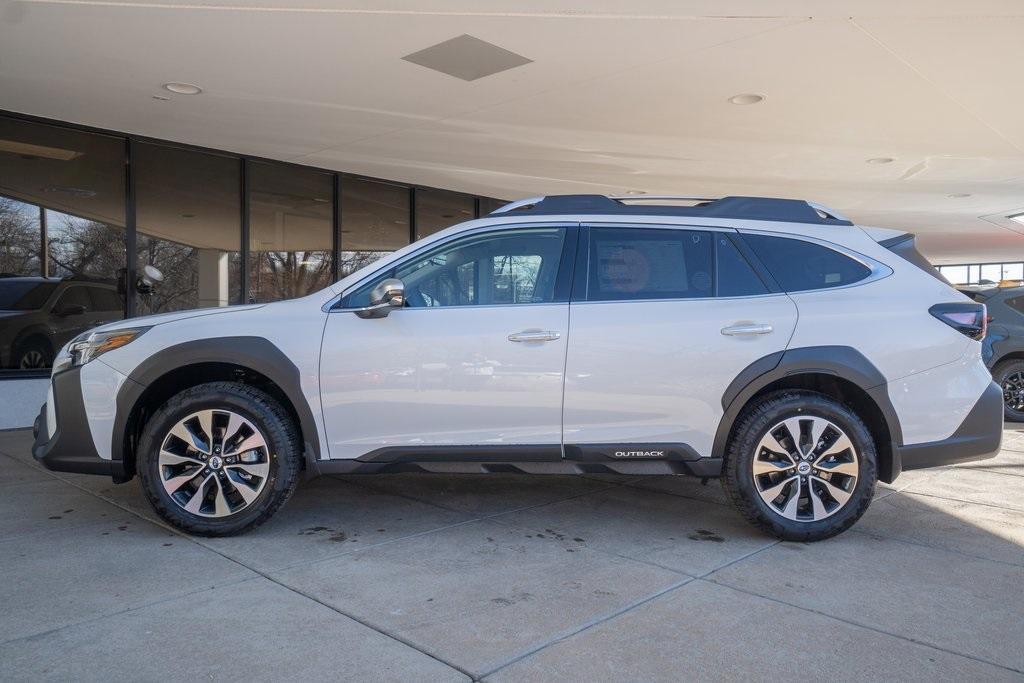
x=665 y=319
x=476 y=358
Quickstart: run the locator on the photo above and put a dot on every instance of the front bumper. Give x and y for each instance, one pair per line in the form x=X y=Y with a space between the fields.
x=71 y=448
x=978 y=437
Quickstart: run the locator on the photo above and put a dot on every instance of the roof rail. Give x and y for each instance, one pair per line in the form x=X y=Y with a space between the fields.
x=518 y=204
x=661 y=198
x=744 y=208
x=828 y=213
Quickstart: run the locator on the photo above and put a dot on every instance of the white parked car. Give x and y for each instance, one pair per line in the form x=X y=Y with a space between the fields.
x=769 y=342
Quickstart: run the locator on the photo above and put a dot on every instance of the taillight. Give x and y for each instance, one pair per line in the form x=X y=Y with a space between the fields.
x=970 y=319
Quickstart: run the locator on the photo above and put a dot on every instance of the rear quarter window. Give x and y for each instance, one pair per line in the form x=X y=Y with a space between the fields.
x=800 y=266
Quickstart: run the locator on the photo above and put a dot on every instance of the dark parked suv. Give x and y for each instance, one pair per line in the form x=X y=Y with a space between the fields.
x=1003 y=348
x=39 y=315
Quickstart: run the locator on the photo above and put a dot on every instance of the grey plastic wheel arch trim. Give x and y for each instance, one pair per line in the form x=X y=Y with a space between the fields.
x=1009 y=348
x=840 y=361
x=253 y=353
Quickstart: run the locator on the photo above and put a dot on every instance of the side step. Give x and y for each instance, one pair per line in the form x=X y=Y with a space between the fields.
x=635 y=459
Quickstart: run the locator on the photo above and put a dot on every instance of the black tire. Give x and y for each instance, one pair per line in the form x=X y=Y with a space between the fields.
x=34 y=353
x=754 y=424
x=272 y=420
x=1003 y=373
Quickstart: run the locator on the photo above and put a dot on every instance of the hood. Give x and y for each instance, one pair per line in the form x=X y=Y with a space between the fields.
x=11 y=314
x=161 y=318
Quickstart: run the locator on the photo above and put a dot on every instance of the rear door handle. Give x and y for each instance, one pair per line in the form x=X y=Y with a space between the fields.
x=534 y=336
x=745 y=329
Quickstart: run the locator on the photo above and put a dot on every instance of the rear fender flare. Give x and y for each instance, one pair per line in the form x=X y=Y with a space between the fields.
x=840 y=361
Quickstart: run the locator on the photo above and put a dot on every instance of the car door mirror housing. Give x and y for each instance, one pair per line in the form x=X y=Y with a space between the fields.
x=389 y=294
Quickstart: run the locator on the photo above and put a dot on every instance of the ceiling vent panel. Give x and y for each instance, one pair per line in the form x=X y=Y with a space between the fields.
x=467 y=58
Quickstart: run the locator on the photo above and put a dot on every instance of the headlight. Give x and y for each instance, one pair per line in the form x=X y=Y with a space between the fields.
x=92 y=345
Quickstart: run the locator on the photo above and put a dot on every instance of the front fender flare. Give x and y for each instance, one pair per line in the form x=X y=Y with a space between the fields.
x=253 y=353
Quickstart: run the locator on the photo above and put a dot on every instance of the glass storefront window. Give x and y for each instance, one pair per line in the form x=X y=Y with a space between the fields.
x=439 y=209
x=955 y=274
x=290 y=231
x=188 y=218
x=64 y=247
x=64 y=188
x=488 y=204
x=20 y=238
x=992 y=272
x=374 y=222
x=989 y=274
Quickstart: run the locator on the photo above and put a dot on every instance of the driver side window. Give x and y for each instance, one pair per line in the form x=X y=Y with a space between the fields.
x=517 y=266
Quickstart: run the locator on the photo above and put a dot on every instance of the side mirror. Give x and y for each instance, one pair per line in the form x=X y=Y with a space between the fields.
x=150 y=278
x=387 y=295
x=69 y=310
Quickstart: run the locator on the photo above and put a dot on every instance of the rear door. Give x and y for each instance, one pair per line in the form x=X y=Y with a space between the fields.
x=662 y=320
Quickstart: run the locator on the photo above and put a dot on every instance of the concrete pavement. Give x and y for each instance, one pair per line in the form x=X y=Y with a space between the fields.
x=507 y=577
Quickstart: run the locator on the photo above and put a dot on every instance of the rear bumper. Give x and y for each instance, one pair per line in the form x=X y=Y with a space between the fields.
x=71 y=448
x=978 y=437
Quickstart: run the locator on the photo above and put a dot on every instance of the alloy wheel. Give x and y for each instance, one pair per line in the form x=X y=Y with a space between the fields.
x=805 y=468
x=1013 y=391
x=214 y=463
x=32 y=360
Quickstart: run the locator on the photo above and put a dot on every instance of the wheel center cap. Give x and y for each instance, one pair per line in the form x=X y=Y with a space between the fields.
x=215 y=462
x=803 y=468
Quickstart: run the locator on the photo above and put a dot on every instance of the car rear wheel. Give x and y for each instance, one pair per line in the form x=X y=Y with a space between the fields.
x=1009 y=375
x=801 y=466
x=219 y=459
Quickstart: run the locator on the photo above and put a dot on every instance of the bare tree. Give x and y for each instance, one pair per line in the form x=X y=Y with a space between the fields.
x=20 y=238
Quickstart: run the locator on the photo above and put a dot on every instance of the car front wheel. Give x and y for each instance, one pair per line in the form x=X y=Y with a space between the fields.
x=219 y=459
x=801 y=466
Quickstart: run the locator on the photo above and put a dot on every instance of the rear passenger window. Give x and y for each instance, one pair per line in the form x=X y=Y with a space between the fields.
x=1016 y=303
x=799 y=266
x=638 y=263
x=733 y=275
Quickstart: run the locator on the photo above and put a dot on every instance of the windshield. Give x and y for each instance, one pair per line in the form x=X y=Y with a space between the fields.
x=24 y=296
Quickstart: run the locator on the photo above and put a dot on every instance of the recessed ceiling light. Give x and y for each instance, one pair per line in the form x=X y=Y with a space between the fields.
x=183 y=88
x=959 y=195
x=636 y=192
x=881 y=160
x=746 y=98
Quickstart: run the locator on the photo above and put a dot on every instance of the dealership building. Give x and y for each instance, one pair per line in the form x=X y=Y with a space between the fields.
x=254 y=152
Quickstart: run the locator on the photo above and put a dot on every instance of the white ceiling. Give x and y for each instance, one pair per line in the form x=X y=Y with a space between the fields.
x=621 y=95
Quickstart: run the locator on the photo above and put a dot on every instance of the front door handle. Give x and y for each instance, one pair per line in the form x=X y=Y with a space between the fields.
x=745 y=329
x=534 y=336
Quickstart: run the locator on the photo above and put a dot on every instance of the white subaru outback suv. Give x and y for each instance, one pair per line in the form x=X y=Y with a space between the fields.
x=769 y=342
